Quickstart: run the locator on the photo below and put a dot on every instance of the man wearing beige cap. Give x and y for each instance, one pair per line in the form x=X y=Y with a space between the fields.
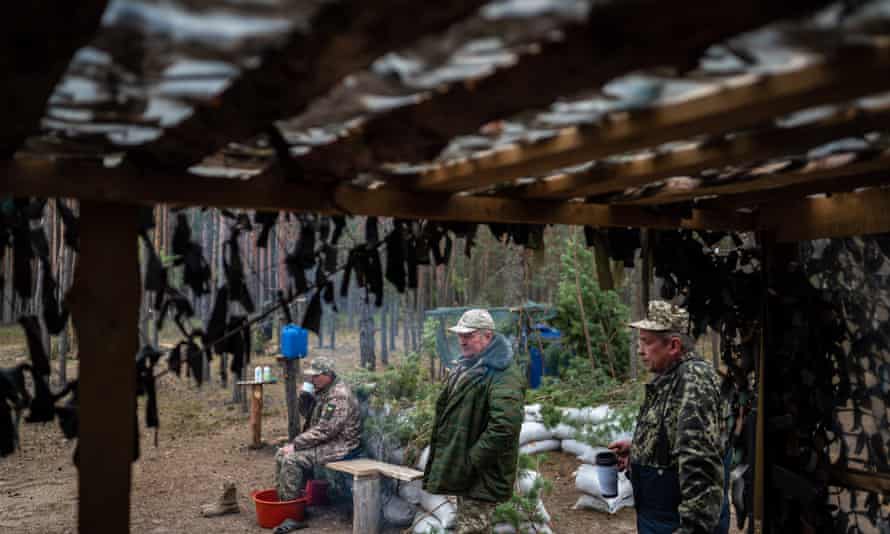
x=677 y=455
x=475 y=440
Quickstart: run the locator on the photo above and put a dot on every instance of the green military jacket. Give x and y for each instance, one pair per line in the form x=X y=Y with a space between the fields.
x=475 y=440
x=685 y=403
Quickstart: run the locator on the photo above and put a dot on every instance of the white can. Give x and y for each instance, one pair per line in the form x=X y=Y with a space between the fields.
x=258 y=373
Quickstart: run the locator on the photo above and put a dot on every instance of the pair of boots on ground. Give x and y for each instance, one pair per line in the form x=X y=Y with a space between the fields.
x=228 y=504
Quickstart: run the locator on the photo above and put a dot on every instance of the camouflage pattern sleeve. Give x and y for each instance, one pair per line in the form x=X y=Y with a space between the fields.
x=699 y=449
x=334 y=414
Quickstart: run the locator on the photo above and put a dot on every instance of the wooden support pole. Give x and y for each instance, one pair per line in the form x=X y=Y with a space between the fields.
x=366 y=504
x=256 y=415
x=290 y=369
x=104 y=300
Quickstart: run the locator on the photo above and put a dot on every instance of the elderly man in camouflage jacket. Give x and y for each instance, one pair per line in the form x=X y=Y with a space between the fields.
x=677 y=454
x=332 y=430
x=475 y=440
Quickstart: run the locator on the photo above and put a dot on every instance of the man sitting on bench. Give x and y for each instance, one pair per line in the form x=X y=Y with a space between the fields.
x=332 y=430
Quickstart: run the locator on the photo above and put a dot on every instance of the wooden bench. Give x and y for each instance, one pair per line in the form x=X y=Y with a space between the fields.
x=366 y=489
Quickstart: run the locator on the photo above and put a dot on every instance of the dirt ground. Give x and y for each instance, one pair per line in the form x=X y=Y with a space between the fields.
x=202 y=442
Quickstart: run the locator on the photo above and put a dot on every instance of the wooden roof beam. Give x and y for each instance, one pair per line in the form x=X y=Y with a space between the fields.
x=620 y=37
x=741 y=103
x=342 y=37
x=38 y=40
x=44 y=178
x=793 y=193
x=767 y=182
x=840 y=215
x=695 y=157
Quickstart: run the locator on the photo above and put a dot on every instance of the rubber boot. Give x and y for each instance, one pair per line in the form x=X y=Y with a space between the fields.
x=227 y=503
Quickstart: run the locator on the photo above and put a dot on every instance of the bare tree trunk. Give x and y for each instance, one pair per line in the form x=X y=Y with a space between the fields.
x=333 y=330
x=366 y=335
x=393 y=322
x=384 y=336
x=577 y=266
x=406 y=322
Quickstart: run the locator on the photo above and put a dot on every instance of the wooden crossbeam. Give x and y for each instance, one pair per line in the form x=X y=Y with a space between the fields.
x=795 y=192
x=620 y=37
x=43 y=178
x=38 y=40
x=342 y=37
x=739 y=103
x=767 y=182
x=841 y=215
x=695 y=157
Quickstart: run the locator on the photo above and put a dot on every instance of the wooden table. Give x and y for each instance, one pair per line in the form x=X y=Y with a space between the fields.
x=366 y=489
x=256 y=410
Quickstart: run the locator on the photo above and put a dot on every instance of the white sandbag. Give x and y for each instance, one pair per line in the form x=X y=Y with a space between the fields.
x=598 y=504
x=411 y=491
x=535 y=447
x=424 y=458
x=587 y=415
x=524 y=528
x=563 y=431
x=542 y=513
x=533 y=413
x=581 y=450
x=525 y=479
x=425 y=523
x=440 y=506
x=398 y=512
x=587 y=482
x=534 y=432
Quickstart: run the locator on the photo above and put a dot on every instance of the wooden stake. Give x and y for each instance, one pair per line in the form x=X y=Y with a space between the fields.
x=291 y=371
x=256 y=415
x=104 y=300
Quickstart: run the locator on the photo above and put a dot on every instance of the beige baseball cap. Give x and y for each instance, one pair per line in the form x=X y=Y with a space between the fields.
x=472 y=320
x=664 y=317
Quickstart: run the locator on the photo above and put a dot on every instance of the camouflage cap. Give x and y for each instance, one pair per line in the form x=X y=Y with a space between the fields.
x=473 y=320
x=664 y=317
x=320 y=365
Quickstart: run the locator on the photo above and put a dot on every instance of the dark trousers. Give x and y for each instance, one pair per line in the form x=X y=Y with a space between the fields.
x=657 y=499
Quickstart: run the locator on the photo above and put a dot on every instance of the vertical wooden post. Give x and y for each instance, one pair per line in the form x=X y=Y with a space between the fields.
x=256 y=415
x=366 y=504
x=291 y=371
x=104 y=300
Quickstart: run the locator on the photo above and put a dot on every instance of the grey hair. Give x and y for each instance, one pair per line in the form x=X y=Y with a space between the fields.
x=687 y=342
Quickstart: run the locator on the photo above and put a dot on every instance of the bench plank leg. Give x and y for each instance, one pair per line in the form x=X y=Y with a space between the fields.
x=366 y=505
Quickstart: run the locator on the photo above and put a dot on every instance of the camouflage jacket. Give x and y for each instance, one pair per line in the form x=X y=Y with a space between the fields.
x=686 y=398
x=335 y=422
x=474 y=445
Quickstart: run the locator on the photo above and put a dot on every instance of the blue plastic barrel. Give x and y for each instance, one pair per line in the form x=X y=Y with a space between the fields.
x=535 y=368
x=294 y=342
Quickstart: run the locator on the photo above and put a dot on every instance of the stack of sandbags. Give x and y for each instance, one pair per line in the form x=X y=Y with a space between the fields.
x=438 y=514
x=535 y=438
x=587 y=482
x=398 y=512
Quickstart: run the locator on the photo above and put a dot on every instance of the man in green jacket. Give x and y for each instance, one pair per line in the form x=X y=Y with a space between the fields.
x=475 y=440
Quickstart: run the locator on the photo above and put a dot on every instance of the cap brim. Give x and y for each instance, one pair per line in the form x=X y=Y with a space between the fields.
x=461 y=330
x=646 y=324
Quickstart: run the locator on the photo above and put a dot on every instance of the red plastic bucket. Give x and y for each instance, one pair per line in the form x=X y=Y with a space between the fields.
x=270 y=512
